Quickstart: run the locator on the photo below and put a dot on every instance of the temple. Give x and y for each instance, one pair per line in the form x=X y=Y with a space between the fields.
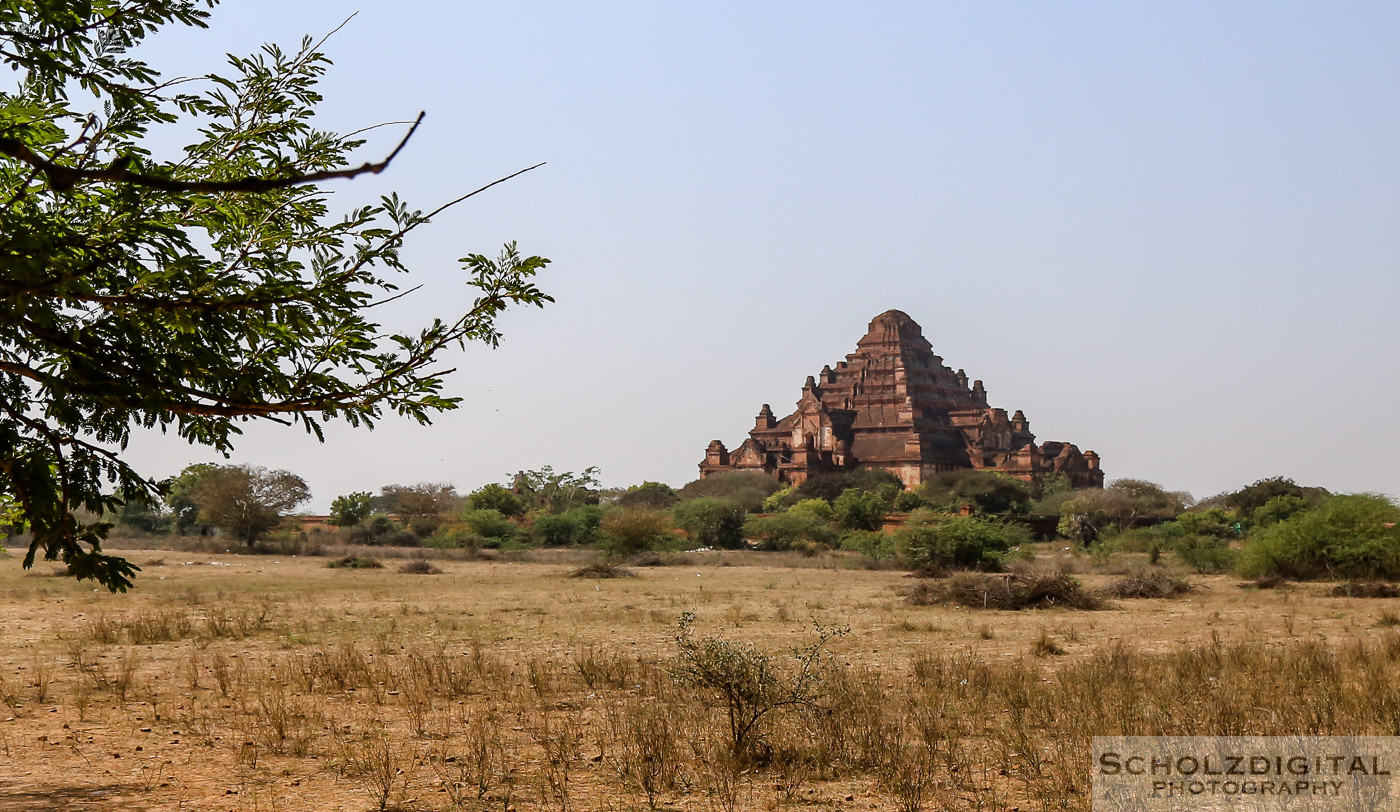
x=892 y=404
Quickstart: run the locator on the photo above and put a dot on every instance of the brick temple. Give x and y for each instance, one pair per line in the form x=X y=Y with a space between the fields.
x=892 y=404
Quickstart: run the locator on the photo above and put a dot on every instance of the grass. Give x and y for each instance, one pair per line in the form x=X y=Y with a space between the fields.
x=252 y=682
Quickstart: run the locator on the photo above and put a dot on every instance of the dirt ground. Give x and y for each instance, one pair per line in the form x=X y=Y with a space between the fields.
x=122 y=702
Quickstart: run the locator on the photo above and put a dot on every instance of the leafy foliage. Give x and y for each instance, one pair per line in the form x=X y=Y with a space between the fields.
x=785 y=531
x=546 y=489
x=1247 y=500
x=712 y=522
x=1355 y=537
x=936 y=541
x=351 y=509
x=575 y=526
x=831 y=486
x=627 y=531
x=247 y=501
x=748 y=488
x=862 y=510
x=497 y=497
x=137 y=292
x=986 y=491
x=654 y=495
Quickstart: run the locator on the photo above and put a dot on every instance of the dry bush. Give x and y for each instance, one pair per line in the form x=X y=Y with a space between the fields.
x=1267 y=581
x=602 y=569
x=984 y=591
x=419 y=566
x=1148 y=584
x=356 y=562
x=1365 y=589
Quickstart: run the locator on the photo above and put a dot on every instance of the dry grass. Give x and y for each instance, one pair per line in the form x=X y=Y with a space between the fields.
x=258 y=683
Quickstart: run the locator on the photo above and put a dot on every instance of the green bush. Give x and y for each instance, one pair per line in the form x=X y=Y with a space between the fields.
x=712 y=522
x=748 y=488
x=491 y=525
x=497 y=497
x=872 y=545
x=1278 y=509
x=652 y=495
x=831 y=486
x=575 y=526
x=861 y=510
x=986 y=491
x=816 y=508
x=781 y=500
x=627 y=531
x=785 y=531
x=454 y=537
x=1343 y=537
x=956 y=542
x=1206 y=553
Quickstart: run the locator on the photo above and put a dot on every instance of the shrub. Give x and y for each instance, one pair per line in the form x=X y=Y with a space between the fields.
x=1279 y=509
x=602 y=570
x=830 y=486
x=860 y=510
x=576 y=526
x=1365 y=589
x=981 y=591
x=1248 y=500
x=351 y=509
x=816 y=508
x=356 y=562
x=454 y=537
x=419 y=566
x=750 y=682
x=491 y=525
x=874 y=546
x=653 y=495
x=1148 y=585
x=781 y=500
x=931 y=541
x=1352 y=537
x=627 y=531
x=748 y=488
x=784 y=531
x=1204 y=553
x=712 y=522
x=986 y=491
x=496 y=497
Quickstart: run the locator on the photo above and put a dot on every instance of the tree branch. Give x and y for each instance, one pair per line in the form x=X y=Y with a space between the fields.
x=64 y=178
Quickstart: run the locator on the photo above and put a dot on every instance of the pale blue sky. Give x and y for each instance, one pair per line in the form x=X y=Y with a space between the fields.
x=1167 y=232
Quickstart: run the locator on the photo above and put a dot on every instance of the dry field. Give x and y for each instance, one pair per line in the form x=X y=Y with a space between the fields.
x=275 y=683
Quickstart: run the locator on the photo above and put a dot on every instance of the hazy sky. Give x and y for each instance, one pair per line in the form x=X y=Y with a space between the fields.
x=1167 y=232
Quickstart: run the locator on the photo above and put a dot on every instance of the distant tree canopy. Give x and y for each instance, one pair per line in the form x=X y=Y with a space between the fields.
x=1247 y=500
x=247 y=501
x=351 y=509
x=654 y=495
x=748 y=488
x=831 y=486
x=556 y=491
x=985 y=491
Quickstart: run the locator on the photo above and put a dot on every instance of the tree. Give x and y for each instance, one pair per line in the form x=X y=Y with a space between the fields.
x=546 y=489
x=194 y=292
x=652 y=495
x=712 y=522
x=496 y=497
x=246 y=500
x=351 y=509
x=748 y=488
x=177 y=494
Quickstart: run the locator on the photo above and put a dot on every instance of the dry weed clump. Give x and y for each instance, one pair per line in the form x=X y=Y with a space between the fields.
x=1365 y=589
x=1149 y=584
x=984 y=591
x=1266 y=581
x=602 y=569
x=356 y=562
x=419 y=566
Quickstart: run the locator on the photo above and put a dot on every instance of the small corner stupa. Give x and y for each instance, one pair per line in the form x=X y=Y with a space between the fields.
x=892 y=404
